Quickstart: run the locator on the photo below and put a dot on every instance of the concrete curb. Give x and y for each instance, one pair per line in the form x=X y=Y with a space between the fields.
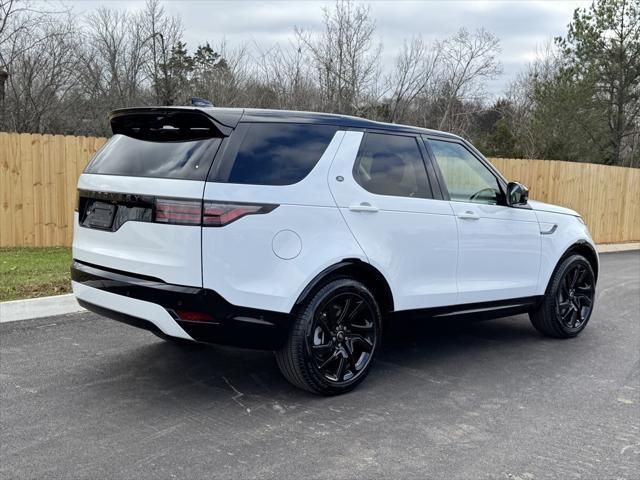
x=38 y=307
x=61 y=304
x=618 y=247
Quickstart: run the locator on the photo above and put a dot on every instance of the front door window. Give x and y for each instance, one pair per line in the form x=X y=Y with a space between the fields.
x=466 y=178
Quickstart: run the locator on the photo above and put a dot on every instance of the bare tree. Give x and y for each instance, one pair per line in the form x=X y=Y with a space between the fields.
x=113 y=59
x=21 y=29
x=230 y=78
x=521 y=95
x=42 y=68
x=288 y=74
x=162 y=33
x=469 y=60
x=345 y=56
x=416 y=68
x=20 y=16
x=9 y=9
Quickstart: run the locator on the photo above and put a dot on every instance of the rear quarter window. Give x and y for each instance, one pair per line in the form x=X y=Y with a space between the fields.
x=392 y=165
x=272 y=153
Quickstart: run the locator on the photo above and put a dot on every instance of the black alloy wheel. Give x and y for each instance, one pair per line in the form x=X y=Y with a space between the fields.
x=334 y=338
x=574 y=298
x=569 y=300
x=342 y=337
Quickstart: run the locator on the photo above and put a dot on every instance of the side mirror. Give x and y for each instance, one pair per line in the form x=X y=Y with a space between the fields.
x=517 y=194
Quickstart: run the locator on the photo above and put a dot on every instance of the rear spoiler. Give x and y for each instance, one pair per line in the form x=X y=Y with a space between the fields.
x=174 y=123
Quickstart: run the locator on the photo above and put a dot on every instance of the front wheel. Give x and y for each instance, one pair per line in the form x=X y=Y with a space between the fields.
x=568 y=301
x=333 y=340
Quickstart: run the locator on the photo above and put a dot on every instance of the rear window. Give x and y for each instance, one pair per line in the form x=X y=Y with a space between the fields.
x=124 y=155
x=273 y=153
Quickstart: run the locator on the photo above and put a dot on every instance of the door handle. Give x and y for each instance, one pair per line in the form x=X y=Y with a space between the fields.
x=363 y=207
x=469 y=215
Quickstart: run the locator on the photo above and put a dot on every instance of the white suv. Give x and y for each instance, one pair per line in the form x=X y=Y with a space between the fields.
x=299 y=232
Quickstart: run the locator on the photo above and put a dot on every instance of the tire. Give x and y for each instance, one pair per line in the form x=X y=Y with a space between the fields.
x=568 y=302
x=333 y=340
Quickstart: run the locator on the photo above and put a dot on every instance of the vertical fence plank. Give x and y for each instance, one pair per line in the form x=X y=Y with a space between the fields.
x=27 y=154
x=39 y=145
x=48 y=153
x=6 y=196
x=13 y=153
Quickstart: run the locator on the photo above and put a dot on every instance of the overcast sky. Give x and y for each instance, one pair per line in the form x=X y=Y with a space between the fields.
x=522 y=26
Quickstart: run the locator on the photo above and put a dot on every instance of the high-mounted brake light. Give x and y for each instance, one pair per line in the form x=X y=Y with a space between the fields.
x=218 y=214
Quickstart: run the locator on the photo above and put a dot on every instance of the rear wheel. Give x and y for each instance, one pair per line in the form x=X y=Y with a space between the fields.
x=568 y=301
x=333 y=340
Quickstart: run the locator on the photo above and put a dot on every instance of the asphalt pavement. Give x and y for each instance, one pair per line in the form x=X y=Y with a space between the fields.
x=86 y=397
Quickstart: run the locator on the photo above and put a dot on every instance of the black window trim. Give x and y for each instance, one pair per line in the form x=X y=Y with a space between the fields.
x=432 y=174
x=232 y=141
x=502 y=183
x=432 y=191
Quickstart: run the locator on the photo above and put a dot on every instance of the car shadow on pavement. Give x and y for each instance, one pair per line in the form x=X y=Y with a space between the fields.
x=445 y=335
x=162 y=374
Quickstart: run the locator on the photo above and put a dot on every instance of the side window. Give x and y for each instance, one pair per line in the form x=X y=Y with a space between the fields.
x=391 y=165
x=273 y=153
x=466 y=178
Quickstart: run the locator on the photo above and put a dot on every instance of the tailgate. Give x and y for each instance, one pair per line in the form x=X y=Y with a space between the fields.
x=140 y=197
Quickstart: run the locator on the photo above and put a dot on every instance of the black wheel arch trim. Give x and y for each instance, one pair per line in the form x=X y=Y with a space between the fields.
x=356 y=268
x=584 y=248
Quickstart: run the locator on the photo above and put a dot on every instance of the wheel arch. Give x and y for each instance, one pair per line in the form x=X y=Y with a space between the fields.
x=585 y=249
x=358 y=270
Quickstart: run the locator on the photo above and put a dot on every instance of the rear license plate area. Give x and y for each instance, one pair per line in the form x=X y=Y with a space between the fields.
x=99 y=215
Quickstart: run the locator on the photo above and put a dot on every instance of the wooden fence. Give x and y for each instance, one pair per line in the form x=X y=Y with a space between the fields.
x=38 y=175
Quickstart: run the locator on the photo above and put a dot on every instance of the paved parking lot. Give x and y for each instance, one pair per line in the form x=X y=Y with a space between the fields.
x=86 y=397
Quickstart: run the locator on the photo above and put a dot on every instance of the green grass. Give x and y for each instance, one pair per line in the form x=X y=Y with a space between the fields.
x=34 y=272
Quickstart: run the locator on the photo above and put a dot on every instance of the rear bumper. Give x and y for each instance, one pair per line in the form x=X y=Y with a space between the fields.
x=152 y=304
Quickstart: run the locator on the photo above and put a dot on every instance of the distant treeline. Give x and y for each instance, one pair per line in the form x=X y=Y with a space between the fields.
x=579 y=100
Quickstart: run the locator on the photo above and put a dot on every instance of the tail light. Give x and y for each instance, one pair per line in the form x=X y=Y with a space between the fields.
x=218 y=214
x=181 y=212
x=207 y=214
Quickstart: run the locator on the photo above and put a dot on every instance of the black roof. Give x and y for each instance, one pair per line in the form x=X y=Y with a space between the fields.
x=258 y=115
x=230 y=117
